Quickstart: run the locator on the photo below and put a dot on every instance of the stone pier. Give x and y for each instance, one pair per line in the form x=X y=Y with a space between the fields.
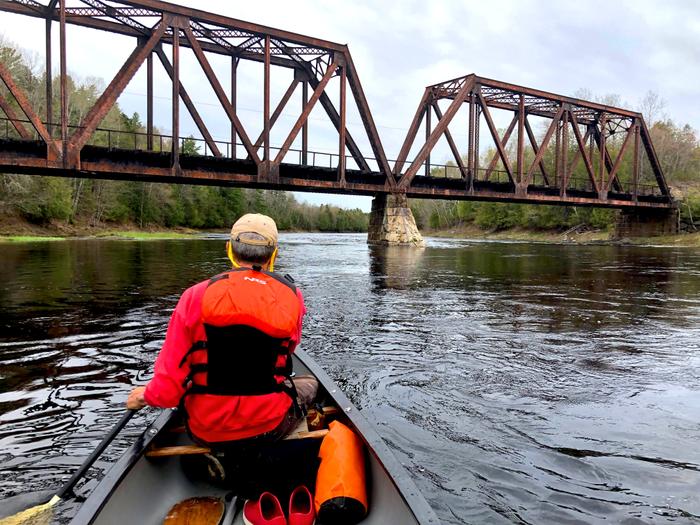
x=391 y=222
x=646 y=222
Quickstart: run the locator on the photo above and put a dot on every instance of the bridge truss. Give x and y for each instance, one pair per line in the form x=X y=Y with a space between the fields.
x=587 y=164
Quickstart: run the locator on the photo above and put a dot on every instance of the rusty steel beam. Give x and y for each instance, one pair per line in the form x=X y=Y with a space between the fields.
x=451 y=142
x=539 y=94
x=535 y=149
x=367 y=119
x=581 y=141
x=266 y=101
x=118 y=28
x=224 y=21
x=16 y=123
x=113 y=90
x=63 y=82
x=471 y=145
x=521 y=138
x=496 y=139
x=608 y=159
x=305 y=128
x=214 y=82
x=175 y=145
x=333 y=115
x=504 y=143
x=305 y=113
x=543 y=147
x=48 y=74
x=566 y=174
x=428 y=129
x=196 y=117
x=635 y=162
x=149 y=102
x=412 y=132
x=278 y=111
x=653 y=159
x=407 y=177
x=587 y=138
x=618 y=161
x=234 y=103
x=341 y=135
x=27 y=109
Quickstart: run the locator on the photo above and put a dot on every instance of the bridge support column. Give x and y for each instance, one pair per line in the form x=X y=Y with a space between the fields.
x=391 y=222
x=646 y=222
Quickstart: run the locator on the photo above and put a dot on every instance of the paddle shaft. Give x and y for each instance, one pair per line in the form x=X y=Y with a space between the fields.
x=68 y=486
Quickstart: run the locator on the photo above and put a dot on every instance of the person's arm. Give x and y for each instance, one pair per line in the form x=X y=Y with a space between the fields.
x=166 y=387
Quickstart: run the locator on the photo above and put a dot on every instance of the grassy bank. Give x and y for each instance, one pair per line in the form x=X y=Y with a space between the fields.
x=555 y=236
x=13 y=229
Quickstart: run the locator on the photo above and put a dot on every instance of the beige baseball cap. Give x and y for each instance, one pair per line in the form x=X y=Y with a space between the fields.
x=255 y=223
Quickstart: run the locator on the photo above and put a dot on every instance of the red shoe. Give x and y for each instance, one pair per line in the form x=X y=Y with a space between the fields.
x=301 y=507
x=265 y=511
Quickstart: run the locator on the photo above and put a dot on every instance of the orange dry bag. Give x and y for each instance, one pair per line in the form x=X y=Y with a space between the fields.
x=341 y=493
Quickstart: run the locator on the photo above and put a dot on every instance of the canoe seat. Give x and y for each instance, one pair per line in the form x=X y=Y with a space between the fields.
x=182 y=450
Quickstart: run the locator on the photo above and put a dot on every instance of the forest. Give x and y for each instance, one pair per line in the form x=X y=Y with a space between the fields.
x=93 y=203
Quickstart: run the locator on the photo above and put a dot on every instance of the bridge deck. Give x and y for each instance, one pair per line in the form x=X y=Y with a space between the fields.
x=29 y=157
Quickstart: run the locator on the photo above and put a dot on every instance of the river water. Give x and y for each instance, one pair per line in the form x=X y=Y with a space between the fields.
x=518 y=383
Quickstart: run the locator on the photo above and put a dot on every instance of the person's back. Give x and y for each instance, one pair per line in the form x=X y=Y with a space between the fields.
x=226 y=358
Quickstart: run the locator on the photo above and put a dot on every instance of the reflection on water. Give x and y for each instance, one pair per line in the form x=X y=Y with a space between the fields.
x=518 y=383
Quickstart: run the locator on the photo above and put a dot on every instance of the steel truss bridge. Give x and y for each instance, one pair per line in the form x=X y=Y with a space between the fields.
x=590 y=154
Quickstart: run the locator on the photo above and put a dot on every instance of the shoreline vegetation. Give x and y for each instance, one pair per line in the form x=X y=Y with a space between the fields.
x=20 y=232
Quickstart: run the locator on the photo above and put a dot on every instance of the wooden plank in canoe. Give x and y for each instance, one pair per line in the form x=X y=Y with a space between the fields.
x=196 y=511
x=182 y=450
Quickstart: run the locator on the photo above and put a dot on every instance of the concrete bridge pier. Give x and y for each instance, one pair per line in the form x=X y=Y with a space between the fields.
x=391 y=222
x=647 y=222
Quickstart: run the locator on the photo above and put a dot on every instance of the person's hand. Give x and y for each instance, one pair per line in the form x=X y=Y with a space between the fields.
x=136 y=401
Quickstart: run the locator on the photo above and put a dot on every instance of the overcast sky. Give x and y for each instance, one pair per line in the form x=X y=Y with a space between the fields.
x=623 y=47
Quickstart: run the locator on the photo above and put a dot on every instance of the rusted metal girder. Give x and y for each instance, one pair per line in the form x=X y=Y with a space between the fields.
x=111 y=93
x=565 y=114
x=15 y=121
x=26 y=107
x=156 y=23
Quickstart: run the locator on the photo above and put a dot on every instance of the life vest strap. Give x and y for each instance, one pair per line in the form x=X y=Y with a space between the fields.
x=198 y=345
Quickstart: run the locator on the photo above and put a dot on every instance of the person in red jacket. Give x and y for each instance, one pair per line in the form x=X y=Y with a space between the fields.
x=226 y=358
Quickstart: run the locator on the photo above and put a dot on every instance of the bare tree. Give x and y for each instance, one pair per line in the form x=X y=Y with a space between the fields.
x=652 y=106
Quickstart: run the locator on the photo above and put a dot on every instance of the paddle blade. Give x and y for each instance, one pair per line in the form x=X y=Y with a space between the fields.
x=37 y=515
x=195 y=511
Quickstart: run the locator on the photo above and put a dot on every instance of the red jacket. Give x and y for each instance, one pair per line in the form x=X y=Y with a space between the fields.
x=211 y=418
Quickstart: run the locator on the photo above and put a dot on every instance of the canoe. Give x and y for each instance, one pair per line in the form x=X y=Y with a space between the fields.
x=152 y=476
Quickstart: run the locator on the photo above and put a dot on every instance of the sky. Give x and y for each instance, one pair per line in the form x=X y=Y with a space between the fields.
x=625 y=47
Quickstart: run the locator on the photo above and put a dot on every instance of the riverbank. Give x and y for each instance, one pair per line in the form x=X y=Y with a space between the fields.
x=16 y=230
x=20 y=231
x=570 y=236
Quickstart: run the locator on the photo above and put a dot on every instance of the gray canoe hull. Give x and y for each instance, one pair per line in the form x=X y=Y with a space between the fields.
x=142 y=490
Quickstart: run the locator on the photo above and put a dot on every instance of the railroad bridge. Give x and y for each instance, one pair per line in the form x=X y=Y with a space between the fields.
x=586 y=154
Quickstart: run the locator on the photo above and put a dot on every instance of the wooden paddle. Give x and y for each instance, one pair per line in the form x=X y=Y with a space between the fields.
x=34 y=512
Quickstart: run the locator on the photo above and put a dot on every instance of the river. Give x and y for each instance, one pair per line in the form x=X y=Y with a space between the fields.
x=517 y=383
